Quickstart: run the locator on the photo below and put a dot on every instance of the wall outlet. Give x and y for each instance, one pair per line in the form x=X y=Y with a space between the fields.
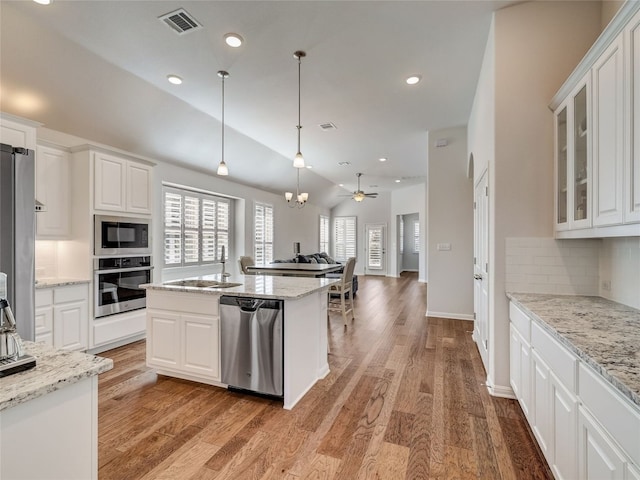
x=606 y=285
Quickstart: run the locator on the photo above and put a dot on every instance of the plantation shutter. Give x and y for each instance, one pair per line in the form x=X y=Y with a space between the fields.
x=263 y=226
x=344 y=238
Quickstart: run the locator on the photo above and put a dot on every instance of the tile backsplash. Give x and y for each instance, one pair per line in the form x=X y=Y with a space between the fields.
x=547 y=265
x=46 y=259
x=608 y=267
x=620 y=270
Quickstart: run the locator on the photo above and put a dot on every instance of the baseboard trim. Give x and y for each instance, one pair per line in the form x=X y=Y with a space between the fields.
x=453 y=316
x=501 y=391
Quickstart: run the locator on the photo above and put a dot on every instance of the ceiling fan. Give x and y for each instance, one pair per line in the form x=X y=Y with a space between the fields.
x=359 y=195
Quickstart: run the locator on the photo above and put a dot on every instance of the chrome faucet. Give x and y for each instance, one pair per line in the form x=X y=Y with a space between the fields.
x=224 y=274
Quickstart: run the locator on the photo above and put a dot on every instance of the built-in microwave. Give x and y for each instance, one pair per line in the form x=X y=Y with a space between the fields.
x=116 y=235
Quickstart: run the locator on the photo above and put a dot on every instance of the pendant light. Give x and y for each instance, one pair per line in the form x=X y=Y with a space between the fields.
x=301 y=198
x=298 y=160
x=223 y=170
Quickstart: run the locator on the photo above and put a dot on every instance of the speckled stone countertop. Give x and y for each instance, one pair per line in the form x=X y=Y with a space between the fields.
x=258 y=286
x=58 y=282
x=604 y=334
x=54 y=369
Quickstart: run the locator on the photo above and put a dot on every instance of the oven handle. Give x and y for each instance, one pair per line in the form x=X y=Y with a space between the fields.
x=123 y=270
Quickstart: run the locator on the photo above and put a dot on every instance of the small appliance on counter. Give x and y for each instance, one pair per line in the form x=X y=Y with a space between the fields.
x=12 y=356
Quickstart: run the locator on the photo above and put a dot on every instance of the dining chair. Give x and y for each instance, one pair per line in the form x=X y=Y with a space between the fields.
x=344 y=291
x=245 y=262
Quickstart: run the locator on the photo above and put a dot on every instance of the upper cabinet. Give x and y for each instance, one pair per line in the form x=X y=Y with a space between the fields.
x=573 y=159
x=632 y=157
x=121 y=185
x=52 y=189
x=597 y=138
x=17 y=131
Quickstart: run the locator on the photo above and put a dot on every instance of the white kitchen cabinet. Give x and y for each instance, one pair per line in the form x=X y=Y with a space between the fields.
x=62 y=316
x=17 y=131
x=183 y=335
x=541 y=408
x=600 y=197
x=599 y=459
x=608 y=135
x=563 y=419
x=44 y=316
x=52 y=189
x=573 y=159
x=632 y=155
x=121 y=185
x=520 y=358
x=571 y=409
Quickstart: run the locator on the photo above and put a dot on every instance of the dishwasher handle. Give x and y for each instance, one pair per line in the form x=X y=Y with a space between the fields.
x=245 y=304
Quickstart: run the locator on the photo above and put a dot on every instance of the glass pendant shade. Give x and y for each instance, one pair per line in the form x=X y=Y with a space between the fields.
x=298 y=160
x=223 y=170
x=288 y=196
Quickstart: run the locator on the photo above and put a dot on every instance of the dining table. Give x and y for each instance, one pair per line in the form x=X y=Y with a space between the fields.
x=295 y=269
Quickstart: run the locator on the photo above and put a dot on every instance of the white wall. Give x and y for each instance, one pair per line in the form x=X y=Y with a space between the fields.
x=411 y=199
x=536 y=45
x=450 y=221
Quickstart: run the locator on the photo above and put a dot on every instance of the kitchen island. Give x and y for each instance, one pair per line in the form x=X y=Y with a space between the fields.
x=183 y=327
x=49 y=416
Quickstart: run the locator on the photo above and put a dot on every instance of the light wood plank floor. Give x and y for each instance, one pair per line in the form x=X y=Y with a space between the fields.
x=404 y=399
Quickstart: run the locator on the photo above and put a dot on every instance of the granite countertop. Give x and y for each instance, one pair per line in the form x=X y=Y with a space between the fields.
x=58 y=282
x=603 y=333
x=258 y=286
x=54 y=369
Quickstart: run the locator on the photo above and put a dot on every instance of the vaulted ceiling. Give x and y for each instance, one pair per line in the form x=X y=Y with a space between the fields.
x=97 y=69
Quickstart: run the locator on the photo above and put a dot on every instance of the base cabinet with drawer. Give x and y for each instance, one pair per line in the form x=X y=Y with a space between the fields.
x=62 y=316
x=584 y=427
x=183 y=335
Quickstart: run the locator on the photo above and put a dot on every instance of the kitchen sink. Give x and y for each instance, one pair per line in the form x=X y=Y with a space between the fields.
x=203 y=283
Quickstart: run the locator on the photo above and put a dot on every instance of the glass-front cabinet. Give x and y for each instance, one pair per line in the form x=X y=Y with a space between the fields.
x=573 y=160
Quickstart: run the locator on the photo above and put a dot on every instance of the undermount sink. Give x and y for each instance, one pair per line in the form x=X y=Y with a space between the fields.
x=203 y=283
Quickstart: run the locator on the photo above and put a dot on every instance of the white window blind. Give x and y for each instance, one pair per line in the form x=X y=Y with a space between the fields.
x=344 y=233
x=401 y=235
x=416 y=237
x=324 y=234
x=263 y=226
x=196 y=227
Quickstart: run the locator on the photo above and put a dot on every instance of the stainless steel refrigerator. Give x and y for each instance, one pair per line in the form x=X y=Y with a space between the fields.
x=18 y=233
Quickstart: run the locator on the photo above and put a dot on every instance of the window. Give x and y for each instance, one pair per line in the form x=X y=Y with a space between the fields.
x=344 y=238
x=263 y=226
x=416 y=237
x=196 y=227
x=324 y=234
x=401 y=235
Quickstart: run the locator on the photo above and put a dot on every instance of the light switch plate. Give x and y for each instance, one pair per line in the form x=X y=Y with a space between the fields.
x=443 y=246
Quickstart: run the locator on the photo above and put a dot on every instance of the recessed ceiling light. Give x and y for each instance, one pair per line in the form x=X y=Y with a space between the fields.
x=341 y=184
x=233 y=40
x=413 y=79
x=175 y=79
x=309 y=167
x=383 y=159
x=43 y=2
x=397 y=181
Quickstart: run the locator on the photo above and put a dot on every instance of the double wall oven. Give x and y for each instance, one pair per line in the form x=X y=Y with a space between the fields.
x=122 y=263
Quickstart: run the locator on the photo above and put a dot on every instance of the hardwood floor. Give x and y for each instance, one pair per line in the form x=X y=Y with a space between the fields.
x=404 y=399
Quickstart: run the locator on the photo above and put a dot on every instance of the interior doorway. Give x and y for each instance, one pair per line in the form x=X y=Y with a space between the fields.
x=409 y=243
x=481 y=266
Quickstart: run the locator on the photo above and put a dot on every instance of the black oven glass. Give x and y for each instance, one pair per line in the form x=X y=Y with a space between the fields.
x=119 y=287
x=124 y=235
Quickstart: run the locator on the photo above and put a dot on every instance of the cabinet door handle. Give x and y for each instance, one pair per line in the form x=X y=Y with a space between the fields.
x=477 y=276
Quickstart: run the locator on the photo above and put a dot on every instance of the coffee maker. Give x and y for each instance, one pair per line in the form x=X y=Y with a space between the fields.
x=12 y=356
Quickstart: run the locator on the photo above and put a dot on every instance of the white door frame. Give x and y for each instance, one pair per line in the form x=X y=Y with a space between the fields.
x=382 y=270
x=481 y=284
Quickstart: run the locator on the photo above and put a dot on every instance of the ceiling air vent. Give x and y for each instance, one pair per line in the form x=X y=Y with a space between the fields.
x=180 y=21
x=327 y=126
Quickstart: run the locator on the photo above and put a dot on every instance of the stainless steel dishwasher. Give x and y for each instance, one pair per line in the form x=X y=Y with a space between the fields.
x=251 y=344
